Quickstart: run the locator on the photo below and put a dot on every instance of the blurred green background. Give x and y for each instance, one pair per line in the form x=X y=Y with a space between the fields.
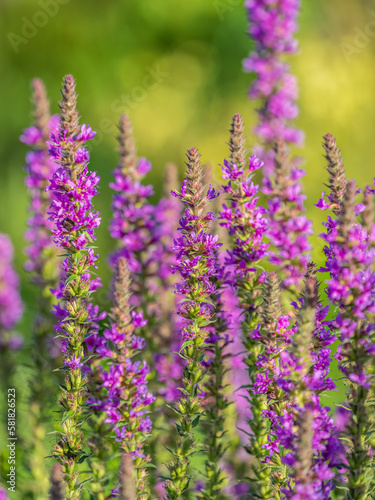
x=176 y=69
x=189 y=55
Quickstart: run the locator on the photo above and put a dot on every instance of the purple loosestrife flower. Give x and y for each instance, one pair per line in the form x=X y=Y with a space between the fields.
x=272 y=27
x=128 y=398
x=217 y=361
x=132 y=222
x=274 y=334
x=288 y=225
x=74 y=222
x=350 y=254
x=142 y=231
x=283 y=377
x=197 y=265
x=11 y=307
x=43 y=261
x=247 y=224
x=244 y=219
x=304 y=429
x=41 y=252
x=144 y=235
x=43 y=266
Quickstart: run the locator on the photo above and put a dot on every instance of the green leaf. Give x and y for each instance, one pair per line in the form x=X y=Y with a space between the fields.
x=186 y=344
x=67 y=415
x=83 y=458
x=61 y=386
x=195 y=422
x=70 y=278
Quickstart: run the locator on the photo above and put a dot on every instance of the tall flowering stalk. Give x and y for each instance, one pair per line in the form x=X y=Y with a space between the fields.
x=144 y=235
x=128 y=397
x=197 y=266
x=244 y=220
x=350 y=256
x=133 y=222
x=272 y=27
x=274 y=334
x=288 y=225
x=304 y=431
x=216 y=398
x=140 y=228
x=294 y=367
x=247 y=224
x=74 y=224
x=337 y=177
x=43 y=266
x=41 y=251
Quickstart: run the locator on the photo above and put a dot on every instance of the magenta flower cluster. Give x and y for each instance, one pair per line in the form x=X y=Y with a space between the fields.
x=197 y=264
x=71 y=210
x=137 y=225
x=144 y=234
x=301 y=385
x=127 y=377
x=73 y=217
x=142 y=398
x=272 y=27
x=74 y=220
x=40 y=168
x=245 y=218
x=350 y=257
x=288 y=227
x=351 y=279
x=127 y=396
x=133 y=221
